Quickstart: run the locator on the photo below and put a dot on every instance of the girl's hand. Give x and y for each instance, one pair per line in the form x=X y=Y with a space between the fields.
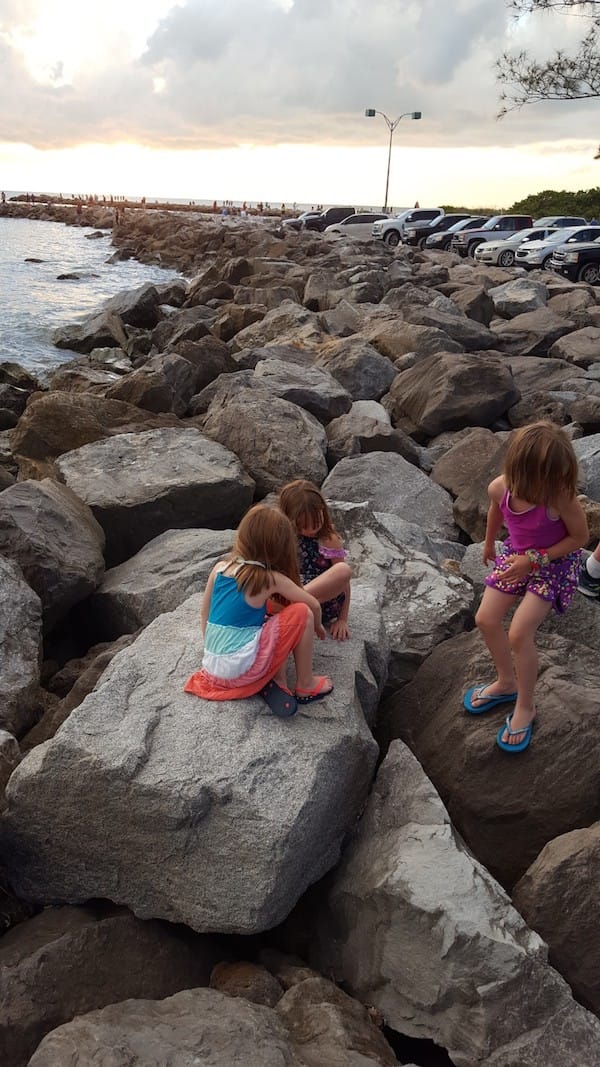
x=489 y=552
x=520 y=567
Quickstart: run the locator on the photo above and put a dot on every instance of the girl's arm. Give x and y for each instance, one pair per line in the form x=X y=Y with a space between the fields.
x=296 y=594
x=578 y=535
x=205 y=606
x=494 y=518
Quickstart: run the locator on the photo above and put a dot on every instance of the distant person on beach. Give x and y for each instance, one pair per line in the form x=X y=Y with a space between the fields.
x=3 y=197
x=321 y=555
x=589 y=575
x=535 y=499
x=246 y=649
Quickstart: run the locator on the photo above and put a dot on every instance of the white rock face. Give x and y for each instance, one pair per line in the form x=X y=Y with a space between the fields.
x=217 y=815
x=414 y=925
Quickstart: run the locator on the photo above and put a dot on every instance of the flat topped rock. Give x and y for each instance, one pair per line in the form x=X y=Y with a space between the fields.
x=217 y=815
x=139 y=485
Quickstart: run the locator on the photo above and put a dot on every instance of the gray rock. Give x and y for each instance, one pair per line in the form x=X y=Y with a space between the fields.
x=54 y=538
x=140 y=485
x=274 y=440
x=449 y=391
x=163 y=574
x=20 y=648
x=311 y=388
x=587 y=450
x=67 y=961
x=289 y=322
x=352 y=434
x=231 y=813
x=473 y=336
x=387 y=482
x=581 y=347
x=103 y=330
x=531 y=334
x=360 y=368
x=10 y=756
x=195 y=1027
x=414 y=925
x=136 y=307
x=518 y=296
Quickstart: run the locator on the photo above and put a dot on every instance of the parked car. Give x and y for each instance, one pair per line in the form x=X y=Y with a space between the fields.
x=495 y=229
x=416 y=234
x=298 y=223
x=440 y=241
x=502 y=253
x=359 y=225
x=392 y=231
x=326 y=218
x=539 y=253
x=561 y=220
x=581 y=264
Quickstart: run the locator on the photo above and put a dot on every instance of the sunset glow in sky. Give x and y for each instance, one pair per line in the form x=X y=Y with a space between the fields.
x=265 y=99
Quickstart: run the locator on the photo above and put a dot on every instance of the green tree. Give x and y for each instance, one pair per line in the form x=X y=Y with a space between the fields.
x=563 y=76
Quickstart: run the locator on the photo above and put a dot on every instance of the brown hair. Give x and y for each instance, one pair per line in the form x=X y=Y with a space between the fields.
x=540 y=464
x=300 y=501
x=264 y=536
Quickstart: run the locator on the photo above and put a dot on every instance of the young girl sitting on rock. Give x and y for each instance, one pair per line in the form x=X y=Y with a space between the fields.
x=535 y=498
x=245 y=652
x=321 y=555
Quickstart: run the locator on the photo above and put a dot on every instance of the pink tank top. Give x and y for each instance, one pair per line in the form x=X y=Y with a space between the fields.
x=533 y=528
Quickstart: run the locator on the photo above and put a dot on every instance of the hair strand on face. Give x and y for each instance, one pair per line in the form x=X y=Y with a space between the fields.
x=540 y=464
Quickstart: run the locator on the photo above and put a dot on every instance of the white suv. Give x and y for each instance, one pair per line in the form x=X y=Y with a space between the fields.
x=392 y=231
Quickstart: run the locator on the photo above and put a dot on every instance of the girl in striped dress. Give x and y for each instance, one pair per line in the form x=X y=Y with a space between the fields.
x=245 y=650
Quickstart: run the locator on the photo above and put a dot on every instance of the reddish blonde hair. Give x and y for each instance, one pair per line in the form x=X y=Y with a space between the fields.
x=301 y=501
x=540 y=464
x=266 y=536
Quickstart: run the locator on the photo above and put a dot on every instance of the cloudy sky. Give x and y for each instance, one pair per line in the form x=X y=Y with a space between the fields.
x=265 y=99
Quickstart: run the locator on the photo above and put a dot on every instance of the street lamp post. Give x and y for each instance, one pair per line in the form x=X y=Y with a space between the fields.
x=370 y=113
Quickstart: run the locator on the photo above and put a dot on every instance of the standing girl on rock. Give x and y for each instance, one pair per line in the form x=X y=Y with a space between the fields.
x=535 y=498
x=321 y=555
x=245 y=652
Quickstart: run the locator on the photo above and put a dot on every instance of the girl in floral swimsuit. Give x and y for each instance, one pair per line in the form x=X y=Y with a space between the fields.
x=535 y=498
x=321 y=555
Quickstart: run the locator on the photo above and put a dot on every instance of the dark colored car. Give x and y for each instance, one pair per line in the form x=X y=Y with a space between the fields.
x=297 y=224
x=440 y=241
x=328 y=217
x=581 y=264
x=417 y=235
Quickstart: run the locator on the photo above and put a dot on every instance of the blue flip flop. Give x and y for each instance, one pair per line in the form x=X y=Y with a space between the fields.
x=282 y=703
x=504 y=698
x=521 y=745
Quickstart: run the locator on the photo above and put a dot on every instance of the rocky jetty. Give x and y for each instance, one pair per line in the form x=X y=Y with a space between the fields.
x=378 y=840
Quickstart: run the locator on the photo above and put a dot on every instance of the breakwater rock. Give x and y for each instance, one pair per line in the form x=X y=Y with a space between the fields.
x=392 y=379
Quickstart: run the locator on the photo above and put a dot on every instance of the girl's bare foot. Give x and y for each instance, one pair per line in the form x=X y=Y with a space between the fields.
x=339 y=630
x=519 y=722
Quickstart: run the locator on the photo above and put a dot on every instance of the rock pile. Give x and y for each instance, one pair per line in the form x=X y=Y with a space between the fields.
x=392 y=380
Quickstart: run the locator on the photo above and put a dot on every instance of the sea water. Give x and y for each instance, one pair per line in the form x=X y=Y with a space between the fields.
x=33 y=302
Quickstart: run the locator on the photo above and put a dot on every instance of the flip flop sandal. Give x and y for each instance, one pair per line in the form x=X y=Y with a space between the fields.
x=282 y=703
x=520 y=745
x=487 y=705
x=321 y=689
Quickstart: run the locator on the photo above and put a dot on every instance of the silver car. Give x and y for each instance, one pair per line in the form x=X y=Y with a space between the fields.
x=359 y=225
x=539 y=253
x=502 y=253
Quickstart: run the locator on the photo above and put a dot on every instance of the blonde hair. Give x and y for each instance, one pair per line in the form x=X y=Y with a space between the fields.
x=302 y=502
x=540 y=464
x=265 y=539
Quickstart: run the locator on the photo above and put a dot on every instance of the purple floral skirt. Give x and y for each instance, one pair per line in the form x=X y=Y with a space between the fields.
x=556 y=582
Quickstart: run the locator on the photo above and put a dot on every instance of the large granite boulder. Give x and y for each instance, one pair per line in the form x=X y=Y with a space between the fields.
x=353 y=434
x=136 y=307
x=56 y=541
x=163 y=574
x=140 y=485
x=102 y=330
x=289 y=322
x=458 y=469
x=387 y=482
x=582 y=347
x=532 y=333
x=67 y=961
x=449 y=391
x=359 y=367
x=166 y=382
x=393 y=337
x=20 y=648
x=311 y=388
x=414 y=925
x=506 y=808
x=587 y=450
x=518 y=296
x=274 y=439
x=215 y=815
x=473 y=336
x=558 y=897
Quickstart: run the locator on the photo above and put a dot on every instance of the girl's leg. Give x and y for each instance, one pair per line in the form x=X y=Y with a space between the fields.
x=521 y=635
x=328 y=585
x=494 y=606
x=303 y=656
